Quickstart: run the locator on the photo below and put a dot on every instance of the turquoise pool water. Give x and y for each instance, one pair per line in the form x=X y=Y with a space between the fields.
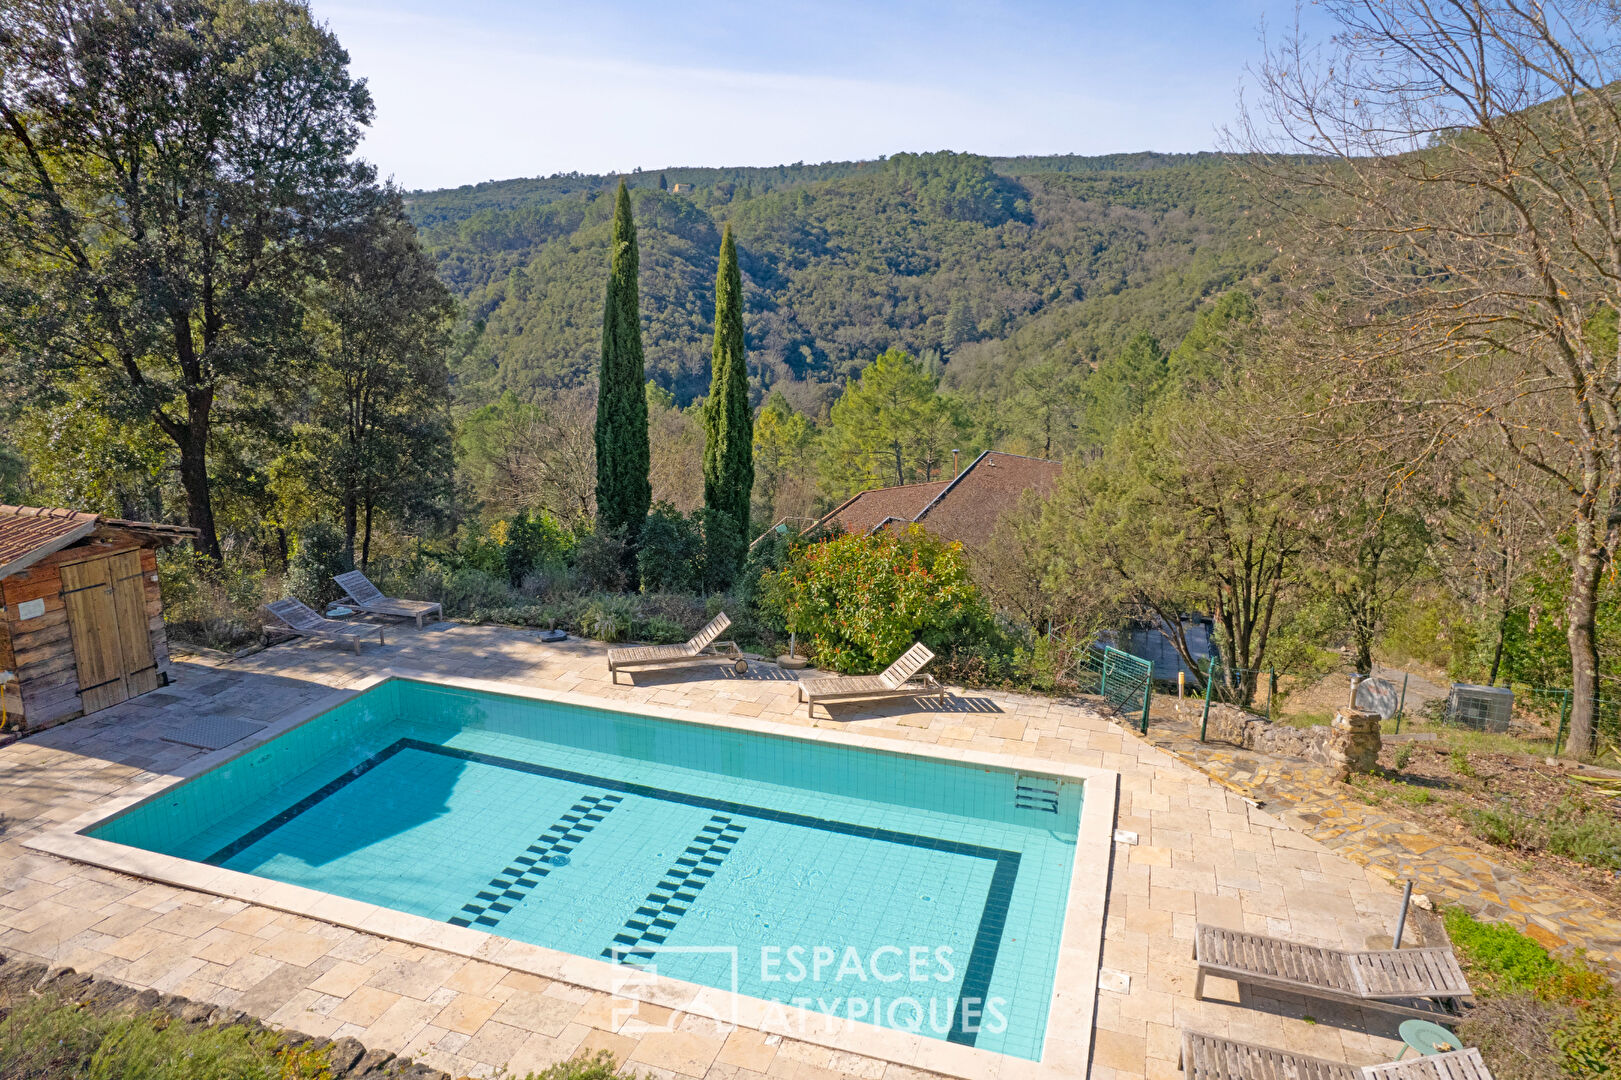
x=881 y=887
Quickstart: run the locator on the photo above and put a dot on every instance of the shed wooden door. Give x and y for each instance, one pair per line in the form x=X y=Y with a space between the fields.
x=106 y=607
x=134 y=635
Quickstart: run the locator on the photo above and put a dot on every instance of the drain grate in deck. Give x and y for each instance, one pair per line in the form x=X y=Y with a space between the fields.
x=214 y=732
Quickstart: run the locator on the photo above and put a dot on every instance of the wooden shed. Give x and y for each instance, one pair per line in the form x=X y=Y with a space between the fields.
x=81 y=619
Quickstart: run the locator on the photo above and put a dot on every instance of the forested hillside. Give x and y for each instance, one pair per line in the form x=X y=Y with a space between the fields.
x=987 y=265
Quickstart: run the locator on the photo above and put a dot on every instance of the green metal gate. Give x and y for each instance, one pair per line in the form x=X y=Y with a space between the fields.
x=1124 y=680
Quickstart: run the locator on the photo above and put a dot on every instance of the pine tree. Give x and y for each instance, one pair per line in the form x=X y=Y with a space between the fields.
x=728 y=420
x=623 y=457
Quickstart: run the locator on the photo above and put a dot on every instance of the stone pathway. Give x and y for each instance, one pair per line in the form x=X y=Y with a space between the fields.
x=1308 y=798
x=1202 y=855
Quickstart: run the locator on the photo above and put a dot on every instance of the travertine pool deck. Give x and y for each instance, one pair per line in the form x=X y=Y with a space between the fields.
x=1202 y=854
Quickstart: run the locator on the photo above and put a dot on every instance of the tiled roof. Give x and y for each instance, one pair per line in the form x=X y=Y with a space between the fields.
x=28 y=533
x=969 y=509
x=965 y=509
x=863 y=512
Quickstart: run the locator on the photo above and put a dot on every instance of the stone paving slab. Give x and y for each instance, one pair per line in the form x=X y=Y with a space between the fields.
x=1308 y=798
x=1203 y=854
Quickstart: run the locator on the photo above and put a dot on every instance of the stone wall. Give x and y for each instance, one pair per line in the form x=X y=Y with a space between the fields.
x=1350 y=743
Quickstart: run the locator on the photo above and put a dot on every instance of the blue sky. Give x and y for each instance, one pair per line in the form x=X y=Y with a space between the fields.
x=479 y=90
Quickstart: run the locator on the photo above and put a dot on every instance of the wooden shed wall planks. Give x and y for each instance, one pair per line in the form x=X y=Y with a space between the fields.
x=41 y=649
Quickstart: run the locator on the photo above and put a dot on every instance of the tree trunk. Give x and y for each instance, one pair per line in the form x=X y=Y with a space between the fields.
x=365 y=545
x=1364 y=654
x=1581 y=634
x=351 y=524
x=194 y=480
x=1497 y=650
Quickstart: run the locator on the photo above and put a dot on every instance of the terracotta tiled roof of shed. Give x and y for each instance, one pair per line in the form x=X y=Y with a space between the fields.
x=31 y=532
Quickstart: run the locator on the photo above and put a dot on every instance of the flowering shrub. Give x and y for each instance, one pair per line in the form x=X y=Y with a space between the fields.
x=858 y=602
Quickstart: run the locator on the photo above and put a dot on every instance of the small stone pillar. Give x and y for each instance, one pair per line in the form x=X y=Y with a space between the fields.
x=1353 y=742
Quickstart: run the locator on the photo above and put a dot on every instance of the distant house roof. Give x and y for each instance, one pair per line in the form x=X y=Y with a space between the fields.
x=867 y=510
x=965 y=509
x=29 y=533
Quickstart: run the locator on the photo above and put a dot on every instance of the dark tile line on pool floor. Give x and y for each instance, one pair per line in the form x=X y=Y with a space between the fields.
x=508 y=888
x=992 y=922
x=675 y=893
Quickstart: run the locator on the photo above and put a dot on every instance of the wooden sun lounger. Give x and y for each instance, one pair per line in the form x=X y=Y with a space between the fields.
x=1210 y=1057
x=370 y=599
x=301 y=620
x=701 y=648
x=1452 y=1065
x=1412 y=982
x=899 y=679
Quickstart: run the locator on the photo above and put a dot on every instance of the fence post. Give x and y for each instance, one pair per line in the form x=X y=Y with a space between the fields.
x=1209 y=681
x=1564 y=718
x=1148 y=694
x=1103 y=674
x=1402 y=704
x=1271 y=690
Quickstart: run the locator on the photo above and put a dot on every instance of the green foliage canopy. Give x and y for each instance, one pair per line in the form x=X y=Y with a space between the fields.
x=858 y=602
x=890 y=426
x=157 y=229
x=376 y=433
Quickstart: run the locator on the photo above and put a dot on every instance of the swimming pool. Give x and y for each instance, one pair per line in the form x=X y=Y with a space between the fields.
x=887 y=888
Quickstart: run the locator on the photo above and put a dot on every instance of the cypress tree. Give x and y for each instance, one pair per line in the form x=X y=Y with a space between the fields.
x=623 y=457
x=728 y=420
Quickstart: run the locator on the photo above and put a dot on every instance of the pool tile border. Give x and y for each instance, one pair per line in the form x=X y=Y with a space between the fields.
x=1071 y=1014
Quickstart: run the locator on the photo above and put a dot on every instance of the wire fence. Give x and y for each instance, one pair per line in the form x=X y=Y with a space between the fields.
x=1124 y=680
x=1255 y=690
x=1550 y=700
x=1127 y=682
x=1250 y=689
x=1238 y=687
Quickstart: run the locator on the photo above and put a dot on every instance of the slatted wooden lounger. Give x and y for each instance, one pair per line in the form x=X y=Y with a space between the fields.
x=306 y=623
x=1453 y=1065
x=899 y=679
x=1411 y=982
x=701 y=648
x=370 y=599
x=1209 y=1057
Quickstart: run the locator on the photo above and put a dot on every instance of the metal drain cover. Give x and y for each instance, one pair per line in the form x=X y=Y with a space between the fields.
x=214 y=732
